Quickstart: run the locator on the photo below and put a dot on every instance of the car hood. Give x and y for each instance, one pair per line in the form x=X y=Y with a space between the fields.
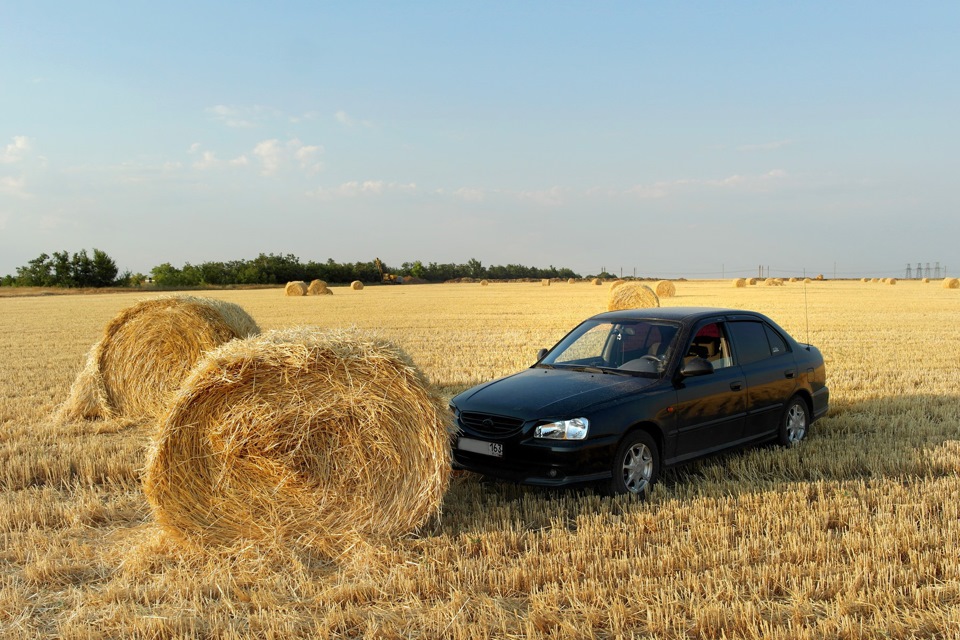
x=548 y=393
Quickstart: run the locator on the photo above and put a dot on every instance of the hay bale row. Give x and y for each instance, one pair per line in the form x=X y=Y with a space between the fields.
x=632 y=295
x=323 y=437
x=146 y=351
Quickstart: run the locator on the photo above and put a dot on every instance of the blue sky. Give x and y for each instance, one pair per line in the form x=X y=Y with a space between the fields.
x=678 y=139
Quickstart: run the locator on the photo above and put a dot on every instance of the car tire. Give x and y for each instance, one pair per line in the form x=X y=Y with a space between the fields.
x=794 y=423
x=636 y=465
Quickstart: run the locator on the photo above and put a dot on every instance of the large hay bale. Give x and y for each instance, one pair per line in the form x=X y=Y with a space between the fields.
x=597 y=281
x=296 y=288
x=891 y=281
x=740 y=283
x=545 y=282
x=316 y=288
x=571 y=281
x=632 y=295
x=616 y=283
x=356 y=285
x=751 y=281
x=145 y=353
x=665 y=289
x=322 y=437
x=951 y=283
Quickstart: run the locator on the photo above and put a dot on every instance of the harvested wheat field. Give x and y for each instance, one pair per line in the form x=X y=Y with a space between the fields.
x=853 y=534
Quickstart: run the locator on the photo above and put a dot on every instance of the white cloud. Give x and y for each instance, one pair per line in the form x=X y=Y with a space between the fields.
x=208 y=160
x=234 y=117
x=11 y=186
x=349 y=121
x=269 y=152
x=306 y=155
x=548 y=197
x=369 y=188
x=738 y=182
x=15 y=151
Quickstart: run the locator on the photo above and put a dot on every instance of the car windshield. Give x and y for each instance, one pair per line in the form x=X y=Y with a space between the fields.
x=631 y=346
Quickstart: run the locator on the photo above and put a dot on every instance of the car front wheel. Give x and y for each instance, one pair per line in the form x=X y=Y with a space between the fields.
x=795 y=422
x=636 y=465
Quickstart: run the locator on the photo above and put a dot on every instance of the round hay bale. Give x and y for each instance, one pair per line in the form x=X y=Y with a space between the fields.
x=145 y=353
x=665 y=289
x=820 y=276
x=773 y=282
x=926 y=280
x=951 y=283
x=751 y=281
x=807 y=280
x=545 y=282
x=739 y=283
x=484 y=283
x=616 y=283
x=571 y=281
x=597 y=281
x=296 y=288
x=864 y=279
x=632 y=295
x=326 y=438
x=356 y=285
x=891 y=281
x=874 y=280
x=316 y=288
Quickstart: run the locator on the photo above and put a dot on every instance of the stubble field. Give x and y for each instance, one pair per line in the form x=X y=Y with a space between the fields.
x=853 y=534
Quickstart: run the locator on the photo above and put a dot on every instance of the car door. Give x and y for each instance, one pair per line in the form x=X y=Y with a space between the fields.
x=770 y=371
x=712 y=408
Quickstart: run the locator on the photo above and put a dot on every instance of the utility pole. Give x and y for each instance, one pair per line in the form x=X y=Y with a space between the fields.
x=909 y=275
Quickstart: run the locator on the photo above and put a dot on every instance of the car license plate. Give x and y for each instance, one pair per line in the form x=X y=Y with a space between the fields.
x=494 y=449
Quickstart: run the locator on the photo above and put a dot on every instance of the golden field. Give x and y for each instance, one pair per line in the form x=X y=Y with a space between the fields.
x=853 y=534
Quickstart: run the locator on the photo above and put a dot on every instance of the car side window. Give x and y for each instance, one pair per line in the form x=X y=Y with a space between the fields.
x=750 y=340
x=710 y=343
x=778 y=346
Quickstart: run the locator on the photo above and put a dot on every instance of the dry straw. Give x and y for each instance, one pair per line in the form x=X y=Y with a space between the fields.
x=864 y=279
x=616 y=283
x=317 y=288
x=891 y=281
x=323 y=438
x=665 y=289
x=632 y=295
x=597 y=281
x=740 y=283
x=926 y=280
x=773 y=282
x=484 y=283
x=356 y=285
x=571 y=281
x=296 y=288
x=145 y=353
x=951 y=283
x=751 y=281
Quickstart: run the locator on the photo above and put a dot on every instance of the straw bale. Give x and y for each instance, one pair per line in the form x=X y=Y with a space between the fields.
x=926 y=280
x=864 y=279
x=773 y=282
x=807 y=280
x=665 y=289
x=545 y=282
x=325 y=438
x=146 y=351
x=632 y=295
x=751 y=281
x=891 y=281
x=739 y=282
x=616 y=283
x=356 y=285
x=571 y=281
x=317 y=288
x=951 y=283
x=794 y=279
x=597 y=281
x=484 y=283
x=296 y=288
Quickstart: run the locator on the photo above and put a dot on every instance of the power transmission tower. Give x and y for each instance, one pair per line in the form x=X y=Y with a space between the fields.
x=936 y=272
x=909 y=275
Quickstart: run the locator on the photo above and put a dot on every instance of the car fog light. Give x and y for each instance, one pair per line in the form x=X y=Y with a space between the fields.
x=575 y=429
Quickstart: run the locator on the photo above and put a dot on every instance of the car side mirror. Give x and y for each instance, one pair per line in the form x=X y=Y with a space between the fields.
x=696 y=367
x=540 y=354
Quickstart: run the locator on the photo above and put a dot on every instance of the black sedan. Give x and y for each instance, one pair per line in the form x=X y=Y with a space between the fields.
x=628 y=393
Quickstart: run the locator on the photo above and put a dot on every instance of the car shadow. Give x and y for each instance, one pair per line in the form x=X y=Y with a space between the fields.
x=903 y=438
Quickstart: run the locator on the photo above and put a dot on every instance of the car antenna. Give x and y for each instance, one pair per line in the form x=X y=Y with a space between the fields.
x=806 y=307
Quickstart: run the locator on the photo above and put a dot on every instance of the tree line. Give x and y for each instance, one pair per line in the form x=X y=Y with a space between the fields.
x=99 y=270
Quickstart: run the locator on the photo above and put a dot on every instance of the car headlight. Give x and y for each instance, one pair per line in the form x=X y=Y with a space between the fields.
x=574 y=429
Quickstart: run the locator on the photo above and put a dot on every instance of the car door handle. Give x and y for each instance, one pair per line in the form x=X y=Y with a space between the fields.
x=789 y=374
x=736 y=385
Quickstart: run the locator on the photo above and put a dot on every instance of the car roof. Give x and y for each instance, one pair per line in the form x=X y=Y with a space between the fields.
x=678 y=314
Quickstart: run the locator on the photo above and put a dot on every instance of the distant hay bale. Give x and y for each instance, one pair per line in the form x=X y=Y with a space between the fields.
x=773 y=282
x=891 y=281
x=751 y=281
x=807 y=280
x=926 y=280
x=545 y=282
x=597 y=281
x=316 y=288
x=356 y=285
x=665 y=289
x=864 y=279
x=740 y=283
x=794 y=279
x=325 y=438
x=632 y=295
x=571 y=281
x=820 y=276
x=296 y=288
x=484 y=283
x=874 y=280
x=145 y=353
x=951 y=283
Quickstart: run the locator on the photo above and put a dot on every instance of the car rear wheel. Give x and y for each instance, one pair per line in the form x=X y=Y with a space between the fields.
x=636 y=465
x=795 y=422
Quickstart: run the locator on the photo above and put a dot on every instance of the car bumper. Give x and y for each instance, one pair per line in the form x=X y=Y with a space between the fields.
x=543 y=463
x=821 y=402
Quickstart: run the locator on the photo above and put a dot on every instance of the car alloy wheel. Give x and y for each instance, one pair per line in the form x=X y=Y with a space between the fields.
x=793 y=427
x=636 y=465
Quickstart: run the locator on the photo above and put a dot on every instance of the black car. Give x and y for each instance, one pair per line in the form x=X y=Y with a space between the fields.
x=627 y=393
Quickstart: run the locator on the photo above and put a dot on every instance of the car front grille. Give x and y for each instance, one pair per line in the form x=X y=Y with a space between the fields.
x=491 y=425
